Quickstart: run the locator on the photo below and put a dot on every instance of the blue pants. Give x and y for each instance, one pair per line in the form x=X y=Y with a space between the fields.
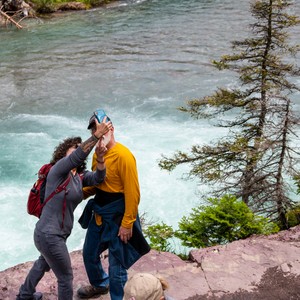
x=54 y=255
x=97 y=276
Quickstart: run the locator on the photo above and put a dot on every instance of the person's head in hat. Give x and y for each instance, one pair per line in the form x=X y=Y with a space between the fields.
x=100 y=115
x=145 y=286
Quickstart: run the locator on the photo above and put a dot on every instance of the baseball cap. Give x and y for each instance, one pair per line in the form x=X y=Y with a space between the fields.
x=143 y=286
x=99 y=114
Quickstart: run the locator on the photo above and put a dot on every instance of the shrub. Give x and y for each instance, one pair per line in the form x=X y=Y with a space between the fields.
x=159 y=236
x=293 y=216
x=223 y=221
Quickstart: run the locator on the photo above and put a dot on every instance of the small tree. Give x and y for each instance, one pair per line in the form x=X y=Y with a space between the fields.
x=223 y=221
x=159 y=236
x=255 y=159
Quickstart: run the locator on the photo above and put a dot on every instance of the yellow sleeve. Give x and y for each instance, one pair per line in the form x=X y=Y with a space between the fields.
x=129 y=176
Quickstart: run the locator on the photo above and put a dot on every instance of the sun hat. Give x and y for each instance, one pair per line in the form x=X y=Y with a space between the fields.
x=143 y=286
x=99 y=114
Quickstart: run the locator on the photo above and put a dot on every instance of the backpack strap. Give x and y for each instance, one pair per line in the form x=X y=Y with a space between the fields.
x=61 y=187
x=64 y=187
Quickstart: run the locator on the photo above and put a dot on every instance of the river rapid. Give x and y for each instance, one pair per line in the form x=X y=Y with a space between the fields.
x=139 y=61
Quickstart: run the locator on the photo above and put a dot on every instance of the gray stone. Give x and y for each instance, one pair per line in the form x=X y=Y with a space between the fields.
x=260 y=267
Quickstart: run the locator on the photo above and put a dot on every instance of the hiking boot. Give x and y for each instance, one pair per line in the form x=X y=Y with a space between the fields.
x=90 y=291
x=36 y=296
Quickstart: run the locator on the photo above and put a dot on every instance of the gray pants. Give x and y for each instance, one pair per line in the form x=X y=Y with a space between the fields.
x=54 y=255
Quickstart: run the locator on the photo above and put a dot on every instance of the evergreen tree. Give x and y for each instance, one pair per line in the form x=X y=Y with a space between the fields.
x=255 y=160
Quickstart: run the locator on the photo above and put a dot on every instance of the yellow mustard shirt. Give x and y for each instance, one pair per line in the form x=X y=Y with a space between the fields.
x=121 y=177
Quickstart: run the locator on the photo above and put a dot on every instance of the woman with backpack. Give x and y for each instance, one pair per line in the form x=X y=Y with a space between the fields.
x=57 y=217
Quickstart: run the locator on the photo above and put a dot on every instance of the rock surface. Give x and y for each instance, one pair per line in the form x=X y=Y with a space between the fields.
x=260 y=267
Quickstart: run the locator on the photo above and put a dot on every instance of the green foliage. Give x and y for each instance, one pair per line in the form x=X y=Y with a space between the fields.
x=50 y=6
x=159 y=236
x=293 y=216
x=297 y=182
x=223 y=221
x=94 y=3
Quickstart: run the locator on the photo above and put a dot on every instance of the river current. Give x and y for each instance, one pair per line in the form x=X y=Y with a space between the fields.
x=139 y=61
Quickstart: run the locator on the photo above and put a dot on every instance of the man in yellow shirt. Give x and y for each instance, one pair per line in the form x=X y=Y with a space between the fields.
x=115 y=224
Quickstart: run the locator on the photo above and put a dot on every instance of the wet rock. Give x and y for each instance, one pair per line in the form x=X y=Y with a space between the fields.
x=71 y=6
x=258 y=268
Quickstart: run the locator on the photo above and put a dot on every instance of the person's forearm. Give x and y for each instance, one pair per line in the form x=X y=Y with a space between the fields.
x=89 y=144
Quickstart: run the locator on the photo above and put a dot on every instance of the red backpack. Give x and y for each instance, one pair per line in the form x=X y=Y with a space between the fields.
x=36 y=202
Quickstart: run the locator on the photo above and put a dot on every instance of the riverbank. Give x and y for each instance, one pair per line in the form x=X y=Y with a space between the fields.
x=257 y=268
x=16 y=13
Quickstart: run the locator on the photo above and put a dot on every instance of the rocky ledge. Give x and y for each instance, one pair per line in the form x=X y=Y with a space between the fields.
x=257 y=268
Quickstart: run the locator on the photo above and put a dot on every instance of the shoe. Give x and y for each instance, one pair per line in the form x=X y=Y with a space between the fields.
x=90 y=291
x=37 y=296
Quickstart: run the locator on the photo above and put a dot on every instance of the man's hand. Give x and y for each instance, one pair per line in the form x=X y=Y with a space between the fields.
x=125 y=234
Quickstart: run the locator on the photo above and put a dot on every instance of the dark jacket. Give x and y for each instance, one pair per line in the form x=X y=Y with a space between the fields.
x=112 y=215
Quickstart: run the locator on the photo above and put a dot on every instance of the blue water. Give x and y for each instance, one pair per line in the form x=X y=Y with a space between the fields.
x=139 y=61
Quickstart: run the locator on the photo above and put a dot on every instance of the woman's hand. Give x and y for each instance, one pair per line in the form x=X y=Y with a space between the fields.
x=101 y=128
x=100 y=151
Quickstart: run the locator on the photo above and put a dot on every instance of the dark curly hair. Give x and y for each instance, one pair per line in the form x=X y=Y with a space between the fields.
x=61 y=151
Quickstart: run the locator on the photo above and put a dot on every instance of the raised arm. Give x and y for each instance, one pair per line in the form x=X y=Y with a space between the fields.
x=98 y=132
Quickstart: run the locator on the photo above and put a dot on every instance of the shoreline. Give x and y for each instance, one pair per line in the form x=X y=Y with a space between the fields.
x=59 y=10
